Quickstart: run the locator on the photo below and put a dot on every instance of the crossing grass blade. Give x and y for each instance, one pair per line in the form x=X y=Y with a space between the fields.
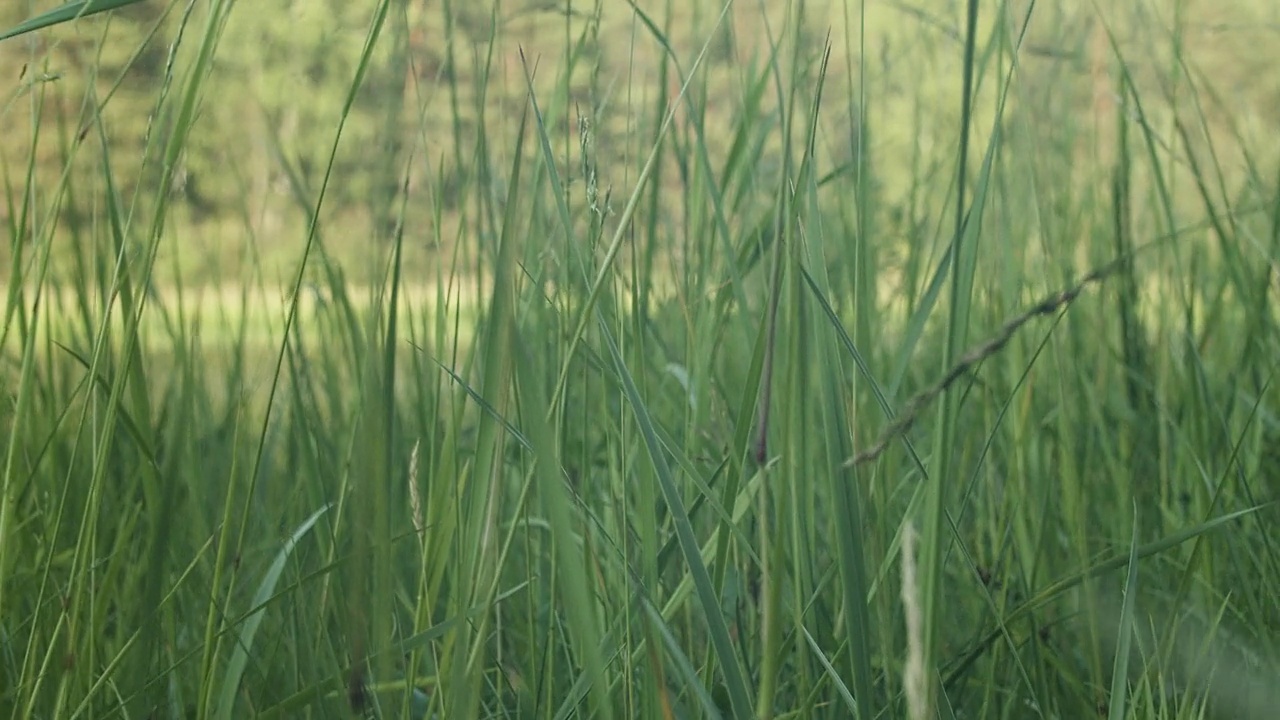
x=718 y=628
x=1058 y=588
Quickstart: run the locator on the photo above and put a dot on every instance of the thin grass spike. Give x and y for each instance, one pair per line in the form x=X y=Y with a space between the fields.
x=975 y=355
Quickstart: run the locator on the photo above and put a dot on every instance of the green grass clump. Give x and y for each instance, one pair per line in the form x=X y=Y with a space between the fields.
x=663 y=360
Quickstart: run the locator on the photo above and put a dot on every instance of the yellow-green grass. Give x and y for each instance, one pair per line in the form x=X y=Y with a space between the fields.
x=637 y=417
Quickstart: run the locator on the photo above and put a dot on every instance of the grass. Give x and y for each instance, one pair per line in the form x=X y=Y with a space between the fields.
x=691 y=416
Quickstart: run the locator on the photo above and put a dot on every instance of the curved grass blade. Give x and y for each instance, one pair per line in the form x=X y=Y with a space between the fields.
x=240 y=655
x=66 y=13
x=1057 y=589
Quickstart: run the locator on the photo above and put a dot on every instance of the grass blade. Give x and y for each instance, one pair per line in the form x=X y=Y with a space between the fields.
x=734 y=679
x=239 y=659
x=64 y=13
x=1117 y=705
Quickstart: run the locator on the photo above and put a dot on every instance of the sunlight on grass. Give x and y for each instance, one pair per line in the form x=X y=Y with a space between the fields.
x=639 y=360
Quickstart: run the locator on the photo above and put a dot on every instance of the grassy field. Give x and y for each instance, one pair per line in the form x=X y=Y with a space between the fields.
x=757 y=360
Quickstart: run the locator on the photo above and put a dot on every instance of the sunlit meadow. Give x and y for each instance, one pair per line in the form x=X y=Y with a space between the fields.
x=640 y=360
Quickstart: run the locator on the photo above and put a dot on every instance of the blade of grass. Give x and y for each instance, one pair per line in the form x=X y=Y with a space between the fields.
x=1118 y=705
x=64 y=13
x=1059 y=587
x=574 y=586
x=624 y=221
x=718 y=629
x=239 y=659
x=480 y=512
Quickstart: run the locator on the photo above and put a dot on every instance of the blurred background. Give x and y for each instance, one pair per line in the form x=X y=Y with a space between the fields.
x=270 y=109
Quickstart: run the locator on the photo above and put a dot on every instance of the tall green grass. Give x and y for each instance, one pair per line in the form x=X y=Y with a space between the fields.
x=706 y=423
